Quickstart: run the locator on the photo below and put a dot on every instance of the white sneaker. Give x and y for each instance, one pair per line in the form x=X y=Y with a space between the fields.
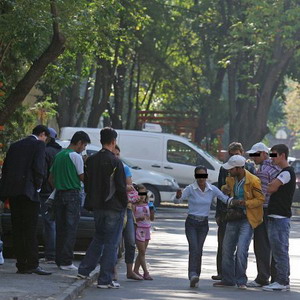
x=68 y=268
x=276 y=287
x=112 y=285
x=242 y=287
x=80 y=276
x=1 y=258
x=253 y=284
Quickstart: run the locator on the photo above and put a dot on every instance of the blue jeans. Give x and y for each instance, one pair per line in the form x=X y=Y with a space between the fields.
x=67 y=215
x=129 y=238
x=104 y=245
x=196 y=232
x=236 y=243
x=48 y=230
x=279 y=232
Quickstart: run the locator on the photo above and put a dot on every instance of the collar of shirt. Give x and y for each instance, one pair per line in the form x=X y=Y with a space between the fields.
x=34 y=136
x=196 y=186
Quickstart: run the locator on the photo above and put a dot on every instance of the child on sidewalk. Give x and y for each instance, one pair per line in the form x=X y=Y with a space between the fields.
x=144 y=214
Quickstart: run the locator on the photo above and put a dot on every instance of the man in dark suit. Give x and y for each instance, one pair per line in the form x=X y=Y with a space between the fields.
x=22 y=177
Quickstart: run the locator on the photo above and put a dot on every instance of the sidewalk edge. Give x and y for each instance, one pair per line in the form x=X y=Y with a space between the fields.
x=77 y=287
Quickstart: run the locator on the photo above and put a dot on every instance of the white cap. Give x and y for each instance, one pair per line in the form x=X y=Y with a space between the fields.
x=258 y=147
x=235 y=161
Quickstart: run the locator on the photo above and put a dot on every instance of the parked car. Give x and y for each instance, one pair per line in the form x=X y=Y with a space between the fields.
x=161 y=187
x=296 y=165
x=84 y=236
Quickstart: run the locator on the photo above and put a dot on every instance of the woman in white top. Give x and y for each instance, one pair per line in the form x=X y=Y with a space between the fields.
x=199 y=195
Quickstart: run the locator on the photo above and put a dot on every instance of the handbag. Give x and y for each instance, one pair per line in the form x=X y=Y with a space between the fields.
x=235 y=214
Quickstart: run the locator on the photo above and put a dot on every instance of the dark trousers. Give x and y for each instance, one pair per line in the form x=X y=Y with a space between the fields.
x=67 y=215
x=221 y=234
x=48 y=230
x=262 y=251
x=196 y=232
x=24 y=219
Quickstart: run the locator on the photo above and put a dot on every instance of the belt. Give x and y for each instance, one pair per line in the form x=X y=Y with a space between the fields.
x=68 y=191
x=198 y=218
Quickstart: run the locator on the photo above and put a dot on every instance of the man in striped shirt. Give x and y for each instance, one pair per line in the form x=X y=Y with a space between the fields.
x=266 y=173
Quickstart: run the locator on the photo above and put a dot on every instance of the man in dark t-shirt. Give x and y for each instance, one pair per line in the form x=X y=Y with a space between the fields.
x=282 y=189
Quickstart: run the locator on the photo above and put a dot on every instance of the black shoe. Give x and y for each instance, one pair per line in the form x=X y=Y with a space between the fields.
x=216 y=277
x=39 y=271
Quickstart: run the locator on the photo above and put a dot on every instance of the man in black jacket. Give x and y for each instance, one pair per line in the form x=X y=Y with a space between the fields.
x=22 y=177
x=52 y=148
x=105 y=187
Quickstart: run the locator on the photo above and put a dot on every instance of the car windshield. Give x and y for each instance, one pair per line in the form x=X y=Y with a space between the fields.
x=206 y=153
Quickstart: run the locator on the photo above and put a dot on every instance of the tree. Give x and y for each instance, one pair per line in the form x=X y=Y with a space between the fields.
x=36 y=69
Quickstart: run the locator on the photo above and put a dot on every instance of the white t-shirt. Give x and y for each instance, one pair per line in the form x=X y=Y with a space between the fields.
x=77 y=161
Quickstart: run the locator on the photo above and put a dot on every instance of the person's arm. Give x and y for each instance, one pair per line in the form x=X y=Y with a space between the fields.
x=182 y=195
x=120 y=183
x=281 y=179
x=79 y=164
x=38 y=165
x=220 y=195
x=258 y=196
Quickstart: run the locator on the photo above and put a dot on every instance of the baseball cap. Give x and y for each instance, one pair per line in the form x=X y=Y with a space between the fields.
x=258 y=147
x=53 y=133
x=235 y=161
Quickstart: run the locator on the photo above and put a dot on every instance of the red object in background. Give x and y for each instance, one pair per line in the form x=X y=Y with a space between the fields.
x=6 y=204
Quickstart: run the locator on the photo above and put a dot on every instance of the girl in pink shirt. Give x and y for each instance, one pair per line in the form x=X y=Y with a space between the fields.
x=143 y=216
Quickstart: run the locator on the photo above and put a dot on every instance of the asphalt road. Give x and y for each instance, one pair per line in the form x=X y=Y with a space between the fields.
x=168 y=257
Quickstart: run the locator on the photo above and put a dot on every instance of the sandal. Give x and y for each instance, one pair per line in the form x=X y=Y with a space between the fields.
x=135 y=276
x=147 y=277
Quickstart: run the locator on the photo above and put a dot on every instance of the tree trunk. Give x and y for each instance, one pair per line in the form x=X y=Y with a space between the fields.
x=130 y=92
x=75 y=91
x=86 y=98
x=36 y=70
x=119 y=86
x=249 y=125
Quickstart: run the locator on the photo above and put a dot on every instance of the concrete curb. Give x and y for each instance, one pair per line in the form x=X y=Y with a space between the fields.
x=77 y=287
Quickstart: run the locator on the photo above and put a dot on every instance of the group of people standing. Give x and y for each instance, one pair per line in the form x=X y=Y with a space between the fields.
x=251 y=202
x=34 y=173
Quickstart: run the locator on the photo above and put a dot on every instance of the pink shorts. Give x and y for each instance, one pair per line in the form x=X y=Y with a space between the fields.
x=142 y=234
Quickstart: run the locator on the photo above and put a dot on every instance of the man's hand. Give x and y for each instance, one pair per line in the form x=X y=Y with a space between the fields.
x=236 y=202
x=226 y=190
x=178 y=194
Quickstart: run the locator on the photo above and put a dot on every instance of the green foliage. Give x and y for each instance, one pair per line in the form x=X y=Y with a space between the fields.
x=21 y=124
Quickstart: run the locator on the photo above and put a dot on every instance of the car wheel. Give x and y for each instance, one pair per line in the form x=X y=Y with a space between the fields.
x=153 y=194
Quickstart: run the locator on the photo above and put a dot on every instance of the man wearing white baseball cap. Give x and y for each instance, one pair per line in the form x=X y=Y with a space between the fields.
x=245 y=215
x=266 y=172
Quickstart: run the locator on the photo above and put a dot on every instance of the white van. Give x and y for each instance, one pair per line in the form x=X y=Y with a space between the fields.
x=161 y=187
x=162 y=152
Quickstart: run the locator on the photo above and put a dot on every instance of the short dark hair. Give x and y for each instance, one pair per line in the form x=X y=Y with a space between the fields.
x=117 y=148
x=200 y=167
x=37 y=130
x=80 y=136
x=107 y=135
x=281 y=148
x=235 y=146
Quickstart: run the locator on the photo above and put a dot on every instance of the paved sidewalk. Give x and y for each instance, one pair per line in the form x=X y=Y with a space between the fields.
x=60 y=285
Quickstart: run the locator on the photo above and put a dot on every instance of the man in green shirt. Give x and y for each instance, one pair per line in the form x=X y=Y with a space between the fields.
x=67 y=173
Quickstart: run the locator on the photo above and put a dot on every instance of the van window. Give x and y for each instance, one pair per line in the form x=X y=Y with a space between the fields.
x=180 y=153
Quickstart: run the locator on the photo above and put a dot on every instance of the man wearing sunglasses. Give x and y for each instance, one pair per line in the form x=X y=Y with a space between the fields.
x=266 y=172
